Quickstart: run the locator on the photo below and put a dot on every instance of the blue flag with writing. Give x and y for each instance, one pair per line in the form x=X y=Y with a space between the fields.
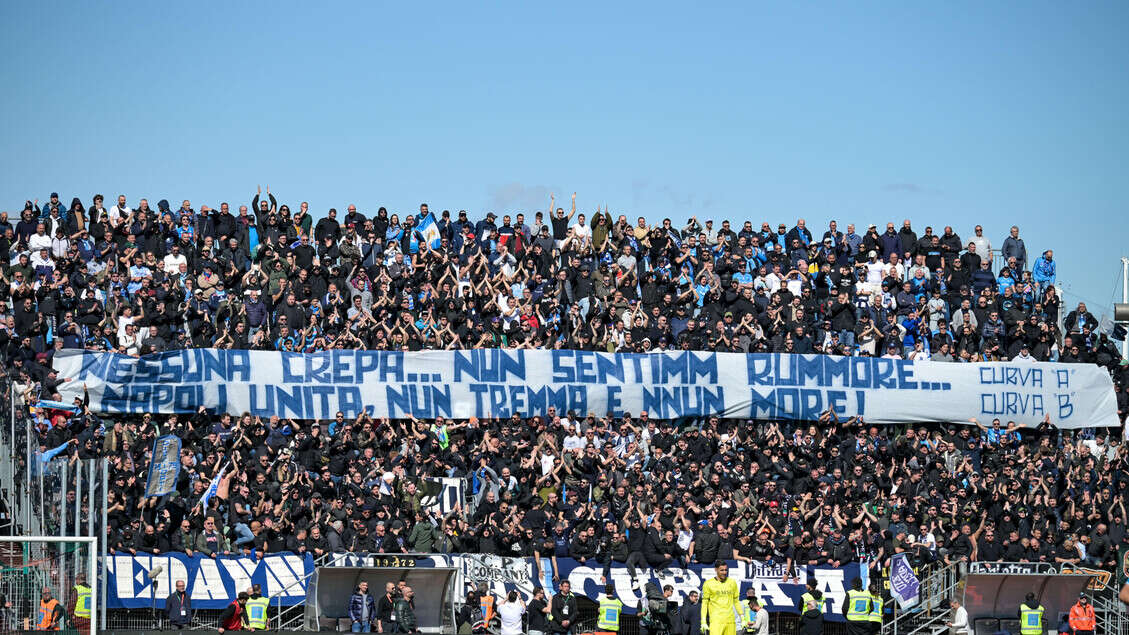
x=164 y=466
x=904 y=585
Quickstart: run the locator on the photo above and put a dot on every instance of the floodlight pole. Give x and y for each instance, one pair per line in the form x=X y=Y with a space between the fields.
x=1125 y=299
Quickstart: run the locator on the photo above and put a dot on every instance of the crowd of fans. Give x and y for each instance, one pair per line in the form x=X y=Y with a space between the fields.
x=587 y=486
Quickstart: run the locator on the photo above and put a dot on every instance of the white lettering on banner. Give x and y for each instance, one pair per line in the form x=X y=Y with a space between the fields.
x=1010 y=568
x=832 y=585
x=131 y=574
x=762 y=578
x=121 y=568
x=283 y=575
x=212 y=582
x=501 y=575
x=496 y=569
x=349 y=560
x=498 y=383
x=208 y=584
x=238 y=572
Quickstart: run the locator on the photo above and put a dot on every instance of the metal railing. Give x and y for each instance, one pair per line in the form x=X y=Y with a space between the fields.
x=932 y=612
x=1112 y=616
x=37 y=497
x=293 y=617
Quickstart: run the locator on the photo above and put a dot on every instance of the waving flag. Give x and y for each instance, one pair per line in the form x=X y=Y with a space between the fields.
x=211 y=491
x=442 y=436
x=54 y=405
x=904 y=585
x=429 y=229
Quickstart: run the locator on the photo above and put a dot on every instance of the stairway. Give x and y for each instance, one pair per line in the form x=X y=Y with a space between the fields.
x=932 y=613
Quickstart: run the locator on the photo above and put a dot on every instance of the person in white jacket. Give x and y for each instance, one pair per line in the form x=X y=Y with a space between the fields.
x=1024 y=355
x=983 y=245
x=959 y=625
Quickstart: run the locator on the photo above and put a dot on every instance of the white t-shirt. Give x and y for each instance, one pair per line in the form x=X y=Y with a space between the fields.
x=173 y=262
x=1109 y=450
x=582 y=231
x=116 y=213
x=927 y=539
x=511 y=613
x=795 y=286
x=760 y=622
x=123 y=321
x=874 y=272
x=573 y=442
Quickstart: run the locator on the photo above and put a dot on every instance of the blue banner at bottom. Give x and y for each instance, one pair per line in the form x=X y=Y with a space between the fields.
x=212 y=583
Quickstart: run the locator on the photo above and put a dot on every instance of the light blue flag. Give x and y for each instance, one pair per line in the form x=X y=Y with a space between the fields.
x=904 y=585
x=211 y=491
x=55 y=405
x=429 y=229
x=46 y=457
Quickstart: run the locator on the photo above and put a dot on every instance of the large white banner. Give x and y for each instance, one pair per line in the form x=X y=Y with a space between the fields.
x=498 y=383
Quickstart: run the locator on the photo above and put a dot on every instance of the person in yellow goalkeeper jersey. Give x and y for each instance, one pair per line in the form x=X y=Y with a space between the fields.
x=720 y=602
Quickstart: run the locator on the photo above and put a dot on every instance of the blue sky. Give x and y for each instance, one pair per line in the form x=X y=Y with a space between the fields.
x=946 y=113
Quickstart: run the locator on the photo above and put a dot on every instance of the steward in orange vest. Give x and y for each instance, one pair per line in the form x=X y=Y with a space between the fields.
x=1082 y=618
x=50 y=613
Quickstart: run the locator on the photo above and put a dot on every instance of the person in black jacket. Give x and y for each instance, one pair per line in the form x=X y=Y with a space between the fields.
x=706 y=542
x=690 y=615
x=538 y=610
x=811 y=620
x=583 y=547
x=636 y=538
x=178 y=608
x=613 y=548
x=383 y=621
x=564 y=609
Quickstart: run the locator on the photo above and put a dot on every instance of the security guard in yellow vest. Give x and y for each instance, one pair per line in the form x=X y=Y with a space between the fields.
x=1031 y=616
x=80 y=613
x=808 y=597
x=875 y=615
x=257 y=609
x=607 y=620
x=856 y=609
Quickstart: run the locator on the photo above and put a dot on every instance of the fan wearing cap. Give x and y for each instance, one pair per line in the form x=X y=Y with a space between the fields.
x=53 y=206
x=1024 y=355
x=1082 y=620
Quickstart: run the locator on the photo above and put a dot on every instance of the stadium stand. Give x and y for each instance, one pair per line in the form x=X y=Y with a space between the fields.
x=594 y=488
